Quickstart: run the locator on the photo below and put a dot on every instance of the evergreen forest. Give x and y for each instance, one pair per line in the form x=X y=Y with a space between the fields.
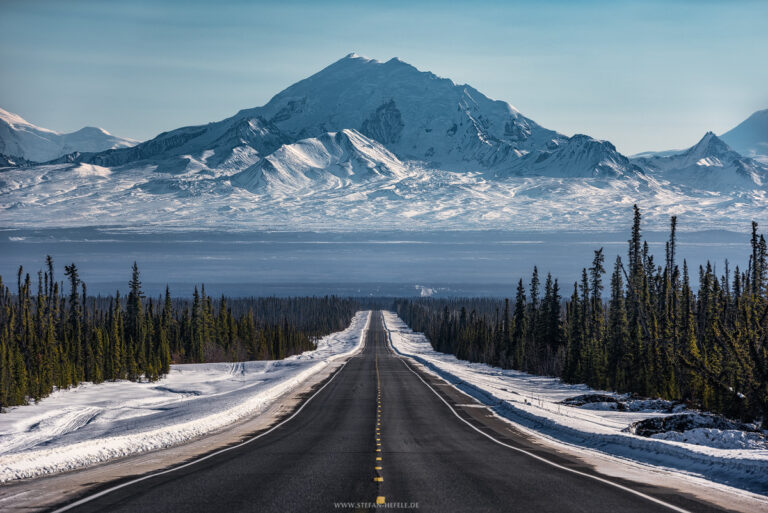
x=646 y=329
x=54 y=335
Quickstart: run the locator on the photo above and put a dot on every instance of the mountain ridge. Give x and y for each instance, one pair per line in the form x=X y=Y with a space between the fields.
x=709 y=164
x=750 y=137
x=364 y=143
x=21 y=139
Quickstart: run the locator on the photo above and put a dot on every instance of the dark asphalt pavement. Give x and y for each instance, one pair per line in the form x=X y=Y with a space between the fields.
x=325 y=459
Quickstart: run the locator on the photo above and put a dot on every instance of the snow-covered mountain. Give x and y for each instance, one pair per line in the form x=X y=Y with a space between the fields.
x=333 y=159
x=20 y=138
x=364 y=144
x=750 y=137
x=708 y=165
x=577 y=156
x=416 y=115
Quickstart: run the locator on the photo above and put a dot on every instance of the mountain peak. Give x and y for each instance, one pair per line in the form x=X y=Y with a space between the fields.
x=759 y=114
x=20 y=138
x=750 y=137
x=16 y=120
x=91 y=130
x=355 y=57
x=414 y=113
x=710 y=145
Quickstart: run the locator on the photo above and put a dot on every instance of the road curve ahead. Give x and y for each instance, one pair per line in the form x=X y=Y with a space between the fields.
x=380 y=435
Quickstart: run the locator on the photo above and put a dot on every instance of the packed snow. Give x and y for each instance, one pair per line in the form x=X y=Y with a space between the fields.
x=593 y=421
x=90 y=423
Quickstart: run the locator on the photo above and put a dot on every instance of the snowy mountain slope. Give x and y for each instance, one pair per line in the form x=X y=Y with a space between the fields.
x=708 y=165
x=223 y=147
x=416 y=114
x=577 y=156
x=421 y=199
x=334 y=159
x=649 y=154
x=20 y=138
x=364 y=144
x=750 y=137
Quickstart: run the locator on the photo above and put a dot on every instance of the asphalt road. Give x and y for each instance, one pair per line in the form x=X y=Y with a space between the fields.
x=328 y=458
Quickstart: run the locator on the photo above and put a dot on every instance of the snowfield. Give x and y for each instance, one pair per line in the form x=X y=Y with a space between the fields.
x=729 y=457
x=91 y=424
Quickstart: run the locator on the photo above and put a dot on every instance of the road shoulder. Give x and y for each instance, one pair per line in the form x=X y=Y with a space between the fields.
x=644 y=478
x=41 y=494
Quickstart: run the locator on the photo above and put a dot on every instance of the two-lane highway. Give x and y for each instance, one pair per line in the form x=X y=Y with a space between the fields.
x=381 y=434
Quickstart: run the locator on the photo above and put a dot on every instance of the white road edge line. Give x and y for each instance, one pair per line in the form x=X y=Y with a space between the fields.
x=198 y=460
x=528 y=453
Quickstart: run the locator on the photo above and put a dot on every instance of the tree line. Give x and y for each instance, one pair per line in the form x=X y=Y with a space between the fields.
x=57 y=335
x=649 y=333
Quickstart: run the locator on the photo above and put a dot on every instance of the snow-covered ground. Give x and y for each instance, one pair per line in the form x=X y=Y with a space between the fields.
x=91 y=424
x=534 y=403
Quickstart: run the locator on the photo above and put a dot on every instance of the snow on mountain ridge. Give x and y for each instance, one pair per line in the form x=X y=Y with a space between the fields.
x=335 y=158
x=710 y=164
x=14 y=119
x=416 y=114
x=364 y=144
x=577 y=156
x=22 y=139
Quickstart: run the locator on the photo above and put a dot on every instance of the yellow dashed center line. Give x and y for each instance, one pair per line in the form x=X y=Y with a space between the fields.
x=378 y=466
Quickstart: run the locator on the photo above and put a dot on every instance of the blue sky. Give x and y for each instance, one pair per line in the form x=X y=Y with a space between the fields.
x=645 y=75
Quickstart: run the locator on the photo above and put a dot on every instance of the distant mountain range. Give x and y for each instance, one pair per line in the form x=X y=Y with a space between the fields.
x=709 y=165
x=364 y=144
x=21 y=139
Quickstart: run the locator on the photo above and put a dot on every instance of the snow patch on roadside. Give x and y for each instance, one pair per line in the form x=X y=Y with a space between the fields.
x=535 y=403
x=92 y=424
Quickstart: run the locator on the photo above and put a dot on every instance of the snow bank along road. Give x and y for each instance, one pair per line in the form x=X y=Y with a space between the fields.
x=382 y=432
x=92 y=424
x=729 y=457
